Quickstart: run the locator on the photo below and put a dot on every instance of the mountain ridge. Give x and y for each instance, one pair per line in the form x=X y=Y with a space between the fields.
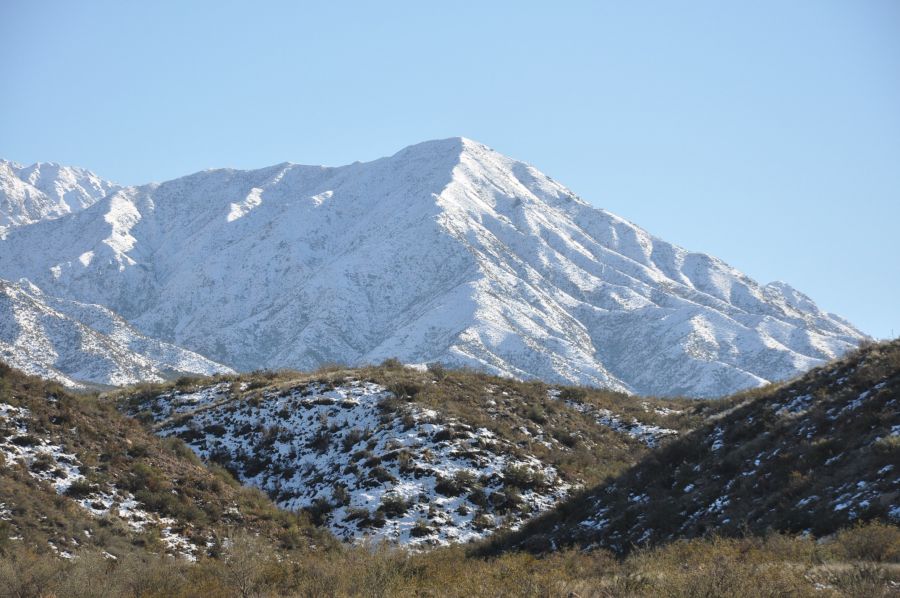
x=83 y=345
x=46 y=190
x=446 y=251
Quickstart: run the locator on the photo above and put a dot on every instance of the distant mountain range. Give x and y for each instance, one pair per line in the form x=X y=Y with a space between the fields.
x=77 y=343
x=44 y=191
x=444 y=252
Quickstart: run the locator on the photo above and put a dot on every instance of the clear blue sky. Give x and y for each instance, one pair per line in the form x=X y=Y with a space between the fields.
x=766 y=133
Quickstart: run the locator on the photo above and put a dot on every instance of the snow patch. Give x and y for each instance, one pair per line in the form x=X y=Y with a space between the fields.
x=373 y=472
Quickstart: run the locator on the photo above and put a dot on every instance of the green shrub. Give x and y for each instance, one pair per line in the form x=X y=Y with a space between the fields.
x=351 y=438
x=523 y=477
x=888 y=445
x=80 y=489
x=404 y=389
x=420 y=529
x=483 y=521
x=393 y=505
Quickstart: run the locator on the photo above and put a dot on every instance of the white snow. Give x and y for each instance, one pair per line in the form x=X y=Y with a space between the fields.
x=445 y=252
x=854 y=404
x=45 y=191
x=718 y=439
x=833 y=459
x=45 y=461
x=315 y=443
x=74 y=343
x=718 y=504
x=805 y=501
x=50 y=463
x=645 y=433
x=796 y=406
x=239 y=210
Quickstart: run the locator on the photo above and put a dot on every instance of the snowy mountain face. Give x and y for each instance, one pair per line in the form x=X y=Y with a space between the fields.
x=44 y=191
x=74 y=343
x=446 y=251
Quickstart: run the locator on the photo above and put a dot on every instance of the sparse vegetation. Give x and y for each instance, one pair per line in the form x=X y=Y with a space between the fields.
x=117 y=455
x=252 y=548
x=813 y=456
x=774 y=566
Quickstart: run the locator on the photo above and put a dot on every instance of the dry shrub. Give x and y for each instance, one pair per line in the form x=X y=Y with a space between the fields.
x=863 y=580
x=250 y=566
x=877 y=542
x=24 y=574
x=719 y=567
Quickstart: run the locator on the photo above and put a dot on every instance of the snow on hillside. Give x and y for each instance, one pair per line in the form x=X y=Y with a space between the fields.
x=813 y=456
x=369 y=467
x=648 y=434
x=76 y=343
x=48 y=462
x=446 y=251
x=44 y=191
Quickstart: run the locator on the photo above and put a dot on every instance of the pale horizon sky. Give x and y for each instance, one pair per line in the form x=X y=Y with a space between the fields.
x=767 y=135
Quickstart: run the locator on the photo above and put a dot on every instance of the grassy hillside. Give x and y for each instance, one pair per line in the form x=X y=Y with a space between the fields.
x=811 y=456
x=420 y=457
x=75 y=474
x=96 y=503
x=860 y=562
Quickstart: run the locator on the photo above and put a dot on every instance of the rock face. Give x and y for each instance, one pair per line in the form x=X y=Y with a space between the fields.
x=44 y=191
x=76 y=343
x=446 y=251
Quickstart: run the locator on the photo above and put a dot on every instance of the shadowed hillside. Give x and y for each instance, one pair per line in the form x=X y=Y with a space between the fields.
x=811 y=456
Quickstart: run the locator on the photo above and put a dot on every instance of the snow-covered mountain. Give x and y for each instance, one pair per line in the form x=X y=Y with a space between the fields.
x=447 y=251
x=74 y=342
x=45 y=191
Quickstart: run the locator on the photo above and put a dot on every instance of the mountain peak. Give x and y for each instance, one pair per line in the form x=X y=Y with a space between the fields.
x=46 y=190
x=446 y=251
x=433 y=149
x=453 y=146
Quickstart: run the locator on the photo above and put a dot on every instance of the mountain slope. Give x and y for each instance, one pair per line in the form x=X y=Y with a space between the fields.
x=45 y=191
x=76 y=475
x=446 y=251
x=91 y=504
x=418 y=458
x=813 y=456
x=76 y=343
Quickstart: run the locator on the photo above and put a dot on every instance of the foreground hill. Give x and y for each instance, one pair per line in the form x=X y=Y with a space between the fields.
x=82 y=345
x=416 y=457
x=76 y=476
x=812 y=456
x=92 y=504
x=447 y=251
